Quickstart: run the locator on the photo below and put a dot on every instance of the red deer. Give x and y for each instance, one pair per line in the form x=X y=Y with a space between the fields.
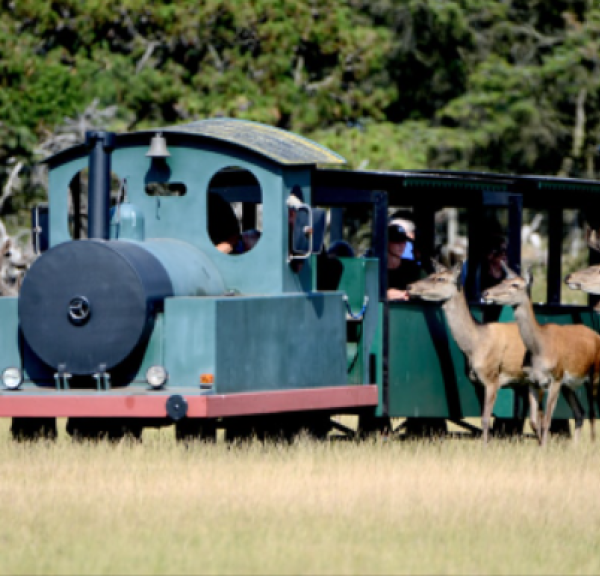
x=560 y=355
x=495 y=351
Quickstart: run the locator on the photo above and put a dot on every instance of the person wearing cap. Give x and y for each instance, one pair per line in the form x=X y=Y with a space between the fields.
x=401 y=271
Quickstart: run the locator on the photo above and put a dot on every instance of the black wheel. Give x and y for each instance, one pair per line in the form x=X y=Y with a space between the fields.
x=426 y=427
x=28 y=429
x=370 y=426
x=316 y=426
x=560 y=427
x=190 y=429
x=240 y=430
x=506 y=427
x=111 y=429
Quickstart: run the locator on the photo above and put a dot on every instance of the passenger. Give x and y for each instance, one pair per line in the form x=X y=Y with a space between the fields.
x=329 y=267
x=294 y=201
x=223 y=225
x=401 y=271
x=490 y=270
x=410 y=229
x=250 y=238
x=342 y=249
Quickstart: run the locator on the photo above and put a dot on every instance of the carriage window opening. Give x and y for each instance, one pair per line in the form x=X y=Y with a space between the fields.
x=451 y=240
x=166 y=189
x=355 y=227
x=234 y=211
x=575 y=254
x=78 y=202
x=534 y=251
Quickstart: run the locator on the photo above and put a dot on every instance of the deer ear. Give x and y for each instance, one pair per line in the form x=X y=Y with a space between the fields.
x=592 y=239
x=509 y=272
x=437 y=266
x=457 y=268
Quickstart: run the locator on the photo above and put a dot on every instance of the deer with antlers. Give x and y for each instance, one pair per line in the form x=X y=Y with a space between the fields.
x=495 y=351
x=561 y=356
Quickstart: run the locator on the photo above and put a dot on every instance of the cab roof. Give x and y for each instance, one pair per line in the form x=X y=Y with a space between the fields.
x=282 y=147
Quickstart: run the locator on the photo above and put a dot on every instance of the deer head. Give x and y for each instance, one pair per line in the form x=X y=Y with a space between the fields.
x=513 y=290
x=440 y=286
x=587 y=279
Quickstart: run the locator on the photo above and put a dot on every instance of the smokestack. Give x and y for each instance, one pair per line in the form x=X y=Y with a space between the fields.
x=101 y=144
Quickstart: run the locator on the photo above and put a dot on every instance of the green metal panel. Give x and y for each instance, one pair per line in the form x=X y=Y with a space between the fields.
x=360 y=279
x=427 y=371
x=154 y=354
x=190 y=343
x=9 y=334
x=288 y=341
x=262 y=343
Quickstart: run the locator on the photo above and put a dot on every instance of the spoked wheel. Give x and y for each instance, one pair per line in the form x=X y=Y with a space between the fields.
x=111 y=429
x=29 y=429
x=192 y=429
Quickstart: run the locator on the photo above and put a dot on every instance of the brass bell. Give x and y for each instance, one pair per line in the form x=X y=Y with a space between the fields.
x=158 y=147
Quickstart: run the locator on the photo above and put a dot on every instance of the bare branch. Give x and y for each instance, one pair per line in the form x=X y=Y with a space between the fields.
x=149 y=50
x=8 y=190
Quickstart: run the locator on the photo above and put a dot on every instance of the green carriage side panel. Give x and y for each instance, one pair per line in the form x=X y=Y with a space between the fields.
x=9 y=335
x=360 y=284
x=427 y=372
x=249 y=343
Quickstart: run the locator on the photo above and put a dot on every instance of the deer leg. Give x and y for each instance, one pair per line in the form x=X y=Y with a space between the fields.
x=553 y=391
x=535 y=412
x=577 y=409
x=591 y=398
x=491 y=391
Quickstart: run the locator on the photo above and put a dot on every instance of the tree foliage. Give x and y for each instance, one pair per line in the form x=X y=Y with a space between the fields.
x=508 y=86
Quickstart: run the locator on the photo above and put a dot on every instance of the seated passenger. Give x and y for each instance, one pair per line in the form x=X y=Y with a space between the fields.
x=223 y=225
x=401 y=271
x=341 y=248
x=250 y=238
x=329 y=267
x=489 y=270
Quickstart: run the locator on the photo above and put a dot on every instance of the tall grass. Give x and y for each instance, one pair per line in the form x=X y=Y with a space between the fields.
x=415 y=507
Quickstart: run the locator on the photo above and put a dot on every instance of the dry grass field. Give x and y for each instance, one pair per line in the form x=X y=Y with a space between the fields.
x=383 y=507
